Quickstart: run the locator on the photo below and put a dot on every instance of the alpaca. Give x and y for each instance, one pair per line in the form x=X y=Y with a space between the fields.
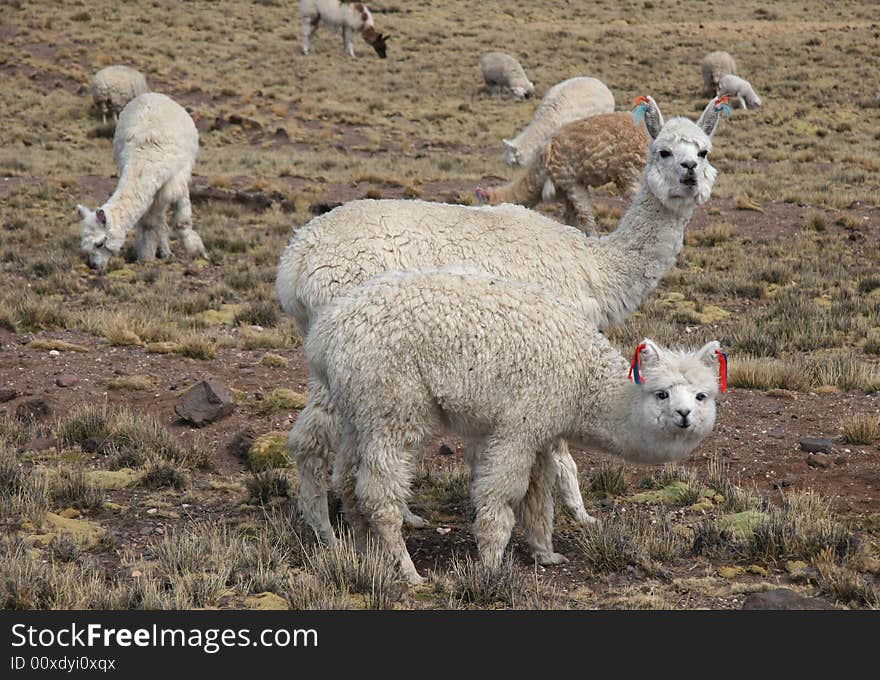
x=607 y=277
x=155 y=147
x=734 y=86
x=500 y=70
x=349 y=16
x=564 y=102
x=714 y=67
x=113 y=87
x=586 y=153
x=527 y=369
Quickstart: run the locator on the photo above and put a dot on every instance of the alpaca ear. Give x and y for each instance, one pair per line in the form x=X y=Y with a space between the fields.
x=646 y=357
x=716 y=108
x=711 y=355
x=101 y=217
x=507 y=143
x=82 y=212
x=646 y=109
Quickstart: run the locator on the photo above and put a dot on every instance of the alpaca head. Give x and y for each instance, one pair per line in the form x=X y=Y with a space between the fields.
x=672 y=407
x=94 y=236
x=678 y=171
x=512 y=155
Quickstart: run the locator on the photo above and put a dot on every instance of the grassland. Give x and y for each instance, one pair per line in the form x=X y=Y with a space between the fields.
x=782 y=266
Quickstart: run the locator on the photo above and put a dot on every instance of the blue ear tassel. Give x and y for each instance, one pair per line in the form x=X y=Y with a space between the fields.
x=636 y=379
x=724 y=109
x=639 y=113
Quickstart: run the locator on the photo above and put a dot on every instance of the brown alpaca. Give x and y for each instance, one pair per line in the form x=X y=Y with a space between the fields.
x=586 y=153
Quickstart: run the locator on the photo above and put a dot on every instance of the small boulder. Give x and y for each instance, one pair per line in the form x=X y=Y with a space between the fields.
x=7 y=394
x=776 y=433
x=815 y=445
x=819 y=460
x=205 y=402
x=66 y=380
x=782 y=598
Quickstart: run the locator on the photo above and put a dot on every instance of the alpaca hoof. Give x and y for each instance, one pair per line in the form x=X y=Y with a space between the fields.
x=547 y=559
x=581 y=517
x=413 y=578
x=413 y=520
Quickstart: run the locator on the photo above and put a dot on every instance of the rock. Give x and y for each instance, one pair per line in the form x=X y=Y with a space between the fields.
x=92 y=445
x=819 y=460
x=265 y=601
x=66 y=380
x=39 y=444
x=782 y=598
x=241 y=443
x=7 y=394
x=776 y=433
x=782 y=483
x=815 y=444
x=205 y=402
x=33 y=410
x=840 y=460
x=269 y=451
x=445 y=450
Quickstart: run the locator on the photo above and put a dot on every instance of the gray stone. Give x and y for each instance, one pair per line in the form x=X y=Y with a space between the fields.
x=66 y=380
x=776 y=433
x=205 y=402
x=7 y=395
x=782 y=598
x=819 y=460
x=39 y=444
x=816 y=444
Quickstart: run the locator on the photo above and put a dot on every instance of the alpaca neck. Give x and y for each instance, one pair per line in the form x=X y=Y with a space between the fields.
x=132 y=198
x=637 y=254
x=525 y=189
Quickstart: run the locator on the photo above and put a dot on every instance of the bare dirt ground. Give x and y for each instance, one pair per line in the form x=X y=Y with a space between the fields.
x=781 y=265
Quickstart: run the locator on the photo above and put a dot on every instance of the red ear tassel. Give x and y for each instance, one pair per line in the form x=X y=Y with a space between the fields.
x=641 y=99
x=634 y=365
x=722 y=370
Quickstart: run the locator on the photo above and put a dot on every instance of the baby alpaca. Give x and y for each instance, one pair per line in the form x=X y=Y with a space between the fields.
x=586 y=153
x=734 y=86
x=527 y=369
x=349 y=16
x=155 y=147
x=502 y=71
x=113 y=87
x=714 y=67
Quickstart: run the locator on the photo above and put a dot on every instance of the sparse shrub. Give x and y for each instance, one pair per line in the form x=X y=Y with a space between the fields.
x=471 y=584
x=372 y=572
x=71 y=488
x=261 y=313
x=196 y=347
x=65 y=548
x=844 y=583
x=86 y=421
x=273 y=360
x=24 y=494
x=631 y=539
x=861 y=429
x=163 y=474
x=610 y=480
x=264 y=486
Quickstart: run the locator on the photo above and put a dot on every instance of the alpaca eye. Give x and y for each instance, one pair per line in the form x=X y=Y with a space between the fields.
x=700 y=396
x=662 y=394
x=665 y=154
x=703 y=153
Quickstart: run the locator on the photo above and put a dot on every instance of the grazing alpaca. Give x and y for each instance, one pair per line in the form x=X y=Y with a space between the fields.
x=713 y=68
x=607 y=277
x=155 y=147
x=586 y=153
x=113 y=87
x=502 y=71
x=527 y=369
x=349 y=16
x=564 y=102
x=734 y=86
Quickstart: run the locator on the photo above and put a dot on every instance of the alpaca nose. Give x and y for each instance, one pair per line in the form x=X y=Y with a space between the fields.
x=684 y=413
x=689 y=165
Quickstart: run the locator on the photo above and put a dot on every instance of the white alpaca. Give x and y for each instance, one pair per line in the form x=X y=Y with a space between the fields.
x=734 y=86
x=351 y=17
x=155 y=147
x=607 y=277
x=502 y=71
x=714 y=67
x=509 y=367
x=564 y=102
x=113 y=87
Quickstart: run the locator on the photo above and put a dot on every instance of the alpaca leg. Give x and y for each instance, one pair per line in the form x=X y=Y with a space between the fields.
x=148 y=229
x=164 y=243
x=567 y=484
x=581 y=208
x=344 y=483
x=346 y=41
x=535 y=513
x=742 y=103
x=182 y=218
x=310 y=443
x=409 y=517
x=383 y=479
x=307 y=31
x=499 y=481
